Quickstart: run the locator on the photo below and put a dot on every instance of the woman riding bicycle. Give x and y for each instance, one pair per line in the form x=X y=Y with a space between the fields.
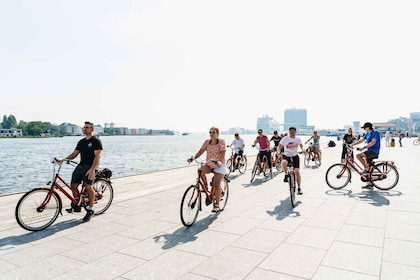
x=264 y=144
x=215 y=149
x=291 y=144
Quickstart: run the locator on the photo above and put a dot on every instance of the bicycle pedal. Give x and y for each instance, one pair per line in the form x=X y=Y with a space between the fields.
x=208 y=201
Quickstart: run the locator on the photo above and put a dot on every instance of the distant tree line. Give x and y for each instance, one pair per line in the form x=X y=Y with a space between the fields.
x=35 y=128
x=38 y=128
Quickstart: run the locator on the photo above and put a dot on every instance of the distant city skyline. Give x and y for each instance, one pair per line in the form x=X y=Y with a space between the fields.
x=171 y=65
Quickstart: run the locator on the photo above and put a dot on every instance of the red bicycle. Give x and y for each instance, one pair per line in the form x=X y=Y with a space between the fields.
x=191 y=200
x=39 y=208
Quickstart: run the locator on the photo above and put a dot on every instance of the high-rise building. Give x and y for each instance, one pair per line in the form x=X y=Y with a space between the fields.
x=267 y=124
x=296 y=118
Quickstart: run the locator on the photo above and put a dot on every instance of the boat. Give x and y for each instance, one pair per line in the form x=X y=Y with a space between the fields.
x=185 y=133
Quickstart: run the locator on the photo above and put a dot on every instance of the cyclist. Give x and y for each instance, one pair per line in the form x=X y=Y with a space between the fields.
x=264 y=144
x=290 y=145
x=238 y=145
x=90 y=150
x=315 y=147
x=215 y=149
x=276 y=140
x=373 y=145
x=348 y=139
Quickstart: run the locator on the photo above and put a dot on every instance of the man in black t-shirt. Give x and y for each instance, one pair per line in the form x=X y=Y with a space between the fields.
x=90 y=150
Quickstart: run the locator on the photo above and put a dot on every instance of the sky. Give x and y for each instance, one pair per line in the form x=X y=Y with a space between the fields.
x=189 y=65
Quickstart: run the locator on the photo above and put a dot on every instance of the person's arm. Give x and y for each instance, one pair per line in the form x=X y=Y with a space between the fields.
x=358 y=142
x=71 y=156
x=197 y=155
x=309 y=139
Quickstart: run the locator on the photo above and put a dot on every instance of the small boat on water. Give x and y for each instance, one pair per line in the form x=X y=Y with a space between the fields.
x=185 y=133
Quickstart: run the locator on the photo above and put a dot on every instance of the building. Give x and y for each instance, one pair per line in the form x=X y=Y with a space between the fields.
x=10 y=132
x=297 y=118
x=267 y=124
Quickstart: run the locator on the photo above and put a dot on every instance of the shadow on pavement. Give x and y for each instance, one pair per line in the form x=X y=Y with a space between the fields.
x=372 y=196
x=185 y=234
x=284 y=210
x=11 y=241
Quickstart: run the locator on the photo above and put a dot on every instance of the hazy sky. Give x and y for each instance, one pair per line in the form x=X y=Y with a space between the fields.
x=188 y=65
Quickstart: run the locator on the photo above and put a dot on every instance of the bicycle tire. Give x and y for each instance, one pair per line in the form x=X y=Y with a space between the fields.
x=190 y=205
x=318 y=159
x=338 y=176
x=292 y=188
x=254 y=170
x=416 y=142
x=30 y=217
x=387 y=172
x=104 y=194
x=265 y=166
x=243 y=163
x=229 y=166
x=307 y=159
x=225 y=194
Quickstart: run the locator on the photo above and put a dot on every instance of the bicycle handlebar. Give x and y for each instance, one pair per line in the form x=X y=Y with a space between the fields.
x=68 y=161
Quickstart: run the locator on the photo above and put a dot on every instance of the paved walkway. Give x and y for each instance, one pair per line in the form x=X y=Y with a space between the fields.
x=346 y=234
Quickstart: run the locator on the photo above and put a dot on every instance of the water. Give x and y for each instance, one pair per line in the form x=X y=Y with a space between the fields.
x=25 y=162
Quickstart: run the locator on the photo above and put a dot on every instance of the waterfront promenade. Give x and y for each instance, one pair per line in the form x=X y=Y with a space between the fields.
x=347 y=234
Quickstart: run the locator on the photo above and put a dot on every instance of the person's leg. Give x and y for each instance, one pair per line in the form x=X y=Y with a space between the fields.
x=217 y=190
x=362 y=159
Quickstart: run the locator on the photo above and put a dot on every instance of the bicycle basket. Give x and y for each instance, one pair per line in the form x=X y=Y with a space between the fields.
x=105 y=173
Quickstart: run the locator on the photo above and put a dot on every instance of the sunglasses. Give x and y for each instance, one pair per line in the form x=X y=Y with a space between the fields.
x=212 y=132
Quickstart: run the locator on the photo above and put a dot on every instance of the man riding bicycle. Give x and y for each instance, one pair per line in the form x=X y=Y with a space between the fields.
x=238 y=145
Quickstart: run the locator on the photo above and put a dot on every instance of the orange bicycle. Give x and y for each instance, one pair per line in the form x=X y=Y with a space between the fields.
x=39 y=208
x=191 y=200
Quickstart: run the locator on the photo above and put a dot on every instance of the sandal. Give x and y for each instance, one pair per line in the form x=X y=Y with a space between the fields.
x=216 y=208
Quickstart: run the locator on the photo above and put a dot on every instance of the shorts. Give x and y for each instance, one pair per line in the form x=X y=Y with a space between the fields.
x=221 y=170
x=296 y=161
x=79 y=175
x=267 y=154
x=371 y=155
x=239 y=153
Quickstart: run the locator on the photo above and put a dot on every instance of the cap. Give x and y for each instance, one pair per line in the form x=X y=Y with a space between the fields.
x=368 y=125
x=275 y=131
x=292 y=128
x=260 y=130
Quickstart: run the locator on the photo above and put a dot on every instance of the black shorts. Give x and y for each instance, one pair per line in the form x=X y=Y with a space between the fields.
x=296 y=161
x=371 y=155
x=79 y=175
x=239 y=153
x=267 y=154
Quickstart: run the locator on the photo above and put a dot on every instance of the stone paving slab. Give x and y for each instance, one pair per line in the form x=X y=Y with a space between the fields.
x=332 y=234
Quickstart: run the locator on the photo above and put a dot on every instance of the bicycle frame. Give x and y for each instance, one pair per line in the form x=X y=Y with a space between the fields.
x=56 y=185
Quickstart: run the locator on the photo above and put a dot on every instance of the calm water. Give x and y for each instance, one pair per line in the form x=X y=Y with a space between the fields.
x=25 y=162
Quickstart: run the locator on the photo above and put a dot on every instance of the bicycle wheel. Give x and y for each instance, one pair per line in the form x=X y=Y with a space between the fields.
x=384 y=176
x=292 y=188
x=265 y=166
x=318 y=158
x=29 y=213
x=307 y=159
x=224 y=186
x=338 y=176
x=243 y=164
x=416 y=142
x=190 y=205
x=254 y=171
x=104 y=193
x=229 y=166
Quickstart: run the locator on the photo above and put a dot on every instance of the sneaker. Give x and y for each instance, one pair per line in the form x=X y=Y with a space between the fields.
x=368 y=186
x=89 y=214
x=300 y=191
x=286 y=178
x=74 y=208
x=216 y=208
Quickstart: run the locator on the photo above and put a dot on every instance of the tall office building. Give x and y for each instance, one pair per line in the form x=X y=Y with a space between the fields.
x=296 y=118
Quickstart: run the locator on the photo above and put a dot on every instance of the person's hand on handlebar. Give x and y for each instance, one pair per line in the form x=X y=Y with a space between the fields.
x=190 y=159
